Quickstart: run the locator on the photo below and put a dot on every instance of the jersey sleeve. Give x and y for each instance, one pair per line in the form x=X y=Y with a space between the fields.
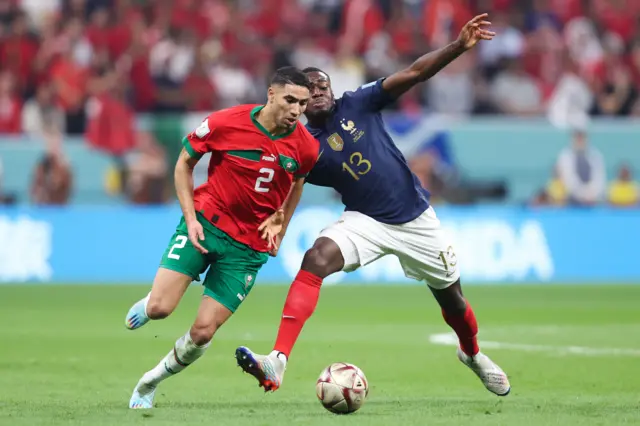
x=310 y=157
x=201 y=140
x=370 y=97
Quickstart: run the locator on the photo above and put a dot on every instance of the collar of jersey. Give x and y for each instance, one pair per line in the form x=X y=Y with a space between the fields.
x=254 y=111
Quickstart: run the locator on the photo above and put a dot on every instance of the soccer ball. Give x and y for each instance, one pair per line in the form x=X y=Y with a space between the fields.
x=342 y=388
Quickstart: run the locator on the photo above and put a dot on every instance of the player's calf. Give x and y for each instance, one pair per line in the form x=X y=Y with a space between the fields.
x=459 y=315
x=201 y=333
x=451 y=299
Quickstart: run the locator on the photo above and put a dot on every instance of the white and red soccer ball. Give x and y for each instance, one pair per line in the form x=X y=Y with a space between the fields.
x=342 y=388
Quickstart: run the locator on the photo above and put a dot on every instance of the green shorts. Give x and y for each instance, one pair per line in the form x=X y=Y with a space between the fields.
x=233 y=265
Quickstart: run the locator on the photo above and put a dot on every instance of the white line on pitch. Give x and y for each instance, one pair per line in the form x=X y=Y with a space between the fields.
x=450 y=339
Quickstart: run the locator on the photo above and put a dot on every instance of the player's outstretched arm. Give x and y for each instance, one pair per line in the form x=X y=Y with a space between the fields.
x=183 y=177
x=430 y=64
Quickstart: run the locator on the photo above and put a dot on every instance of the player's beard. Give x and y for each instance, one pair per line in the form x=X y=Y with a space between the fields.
x=321 y=114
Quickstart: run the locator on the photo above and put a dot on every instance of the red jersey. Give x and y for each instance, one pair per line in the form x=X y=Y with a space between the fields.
x=250 y=171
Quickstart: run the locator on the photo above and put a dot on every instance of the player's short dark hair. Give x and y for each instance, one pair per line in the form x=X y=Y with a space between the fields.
x=307 y=70
x=290 y=75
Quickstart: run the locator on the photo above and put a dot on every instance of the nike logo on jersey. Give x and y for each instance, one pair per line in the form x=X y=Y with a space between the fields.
x=271 y=158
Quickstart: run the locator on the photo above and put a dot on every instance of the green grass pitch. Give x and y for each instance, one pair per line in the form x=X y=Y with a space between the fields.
x=572 y=353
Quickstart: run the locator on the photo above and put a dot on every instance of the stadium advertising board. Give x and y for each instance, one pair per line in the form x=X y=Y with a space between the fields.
x=493 y=245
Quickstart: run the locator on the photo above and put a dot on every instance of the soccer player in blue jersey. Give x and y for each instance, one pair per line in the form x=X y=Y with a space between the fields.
x=387 y=212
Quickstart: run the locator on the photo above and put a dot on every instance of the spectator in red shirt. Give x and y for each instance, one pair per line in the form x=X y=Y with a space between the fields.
x=634 y=61
x=10 y=105
x=362 y=19
x=198 y=89
x=135 y=61
x=442 y=19
x=70 y=73
x=618 y=16
x=18 y=51
x=567 y=9
x=111 y=124
x=98 y=29
x=189 y=13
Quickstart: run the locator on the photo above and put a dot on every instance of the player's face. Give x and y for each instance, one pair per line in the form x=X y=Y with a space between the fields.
x=321 y=94
x=290 y=102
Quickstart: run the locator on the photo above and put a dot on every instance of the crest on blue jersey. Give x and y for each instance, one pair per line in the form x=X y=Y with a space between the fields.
x=335 y=142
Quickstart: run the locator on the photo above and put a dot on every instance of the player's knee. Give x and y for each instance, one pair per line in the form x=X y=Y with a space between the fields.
x=451 y=299
x=201 y=334
x=157 y=309
x=319 y=262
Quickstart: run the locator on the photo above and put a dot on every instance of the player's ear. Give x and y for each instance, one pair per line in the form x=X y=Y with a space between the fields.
x=271 y=94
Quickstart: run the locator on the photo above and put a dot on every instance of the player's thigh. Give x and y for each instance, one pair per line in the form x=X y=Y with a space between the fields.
x=181 y=264
x=211 y=315
x=231 y=278
x=426 y=252
x=361 y=239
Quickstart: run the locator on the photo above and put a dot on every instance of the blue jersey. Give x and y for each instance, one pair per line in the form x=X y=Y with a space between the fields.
x=359 y=159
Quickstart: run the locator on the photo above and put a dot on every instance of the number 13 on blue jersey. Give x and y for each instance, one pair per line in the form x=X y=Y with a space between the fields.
x=358 y=165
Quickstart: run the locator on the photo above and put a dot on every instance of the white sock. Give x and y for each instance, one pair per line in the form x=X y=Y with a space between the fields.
x=146 y=302
x=280 y=357
x=183 y=354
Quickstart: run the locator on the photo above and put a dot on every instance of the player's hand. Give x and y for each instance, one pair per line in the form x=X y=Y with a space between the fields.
x=273 y=252
x=196 y=234
x=270 y=230
x=476 y=30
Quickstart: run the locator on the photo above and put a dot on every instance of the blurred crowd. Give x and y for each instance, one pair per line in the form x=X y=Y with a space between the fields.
x=86 y=67
x=64 y=61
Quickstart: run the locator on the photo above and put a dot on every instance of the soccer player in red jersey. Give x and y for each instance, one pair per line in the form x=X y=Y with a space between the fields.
x=258 y=154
